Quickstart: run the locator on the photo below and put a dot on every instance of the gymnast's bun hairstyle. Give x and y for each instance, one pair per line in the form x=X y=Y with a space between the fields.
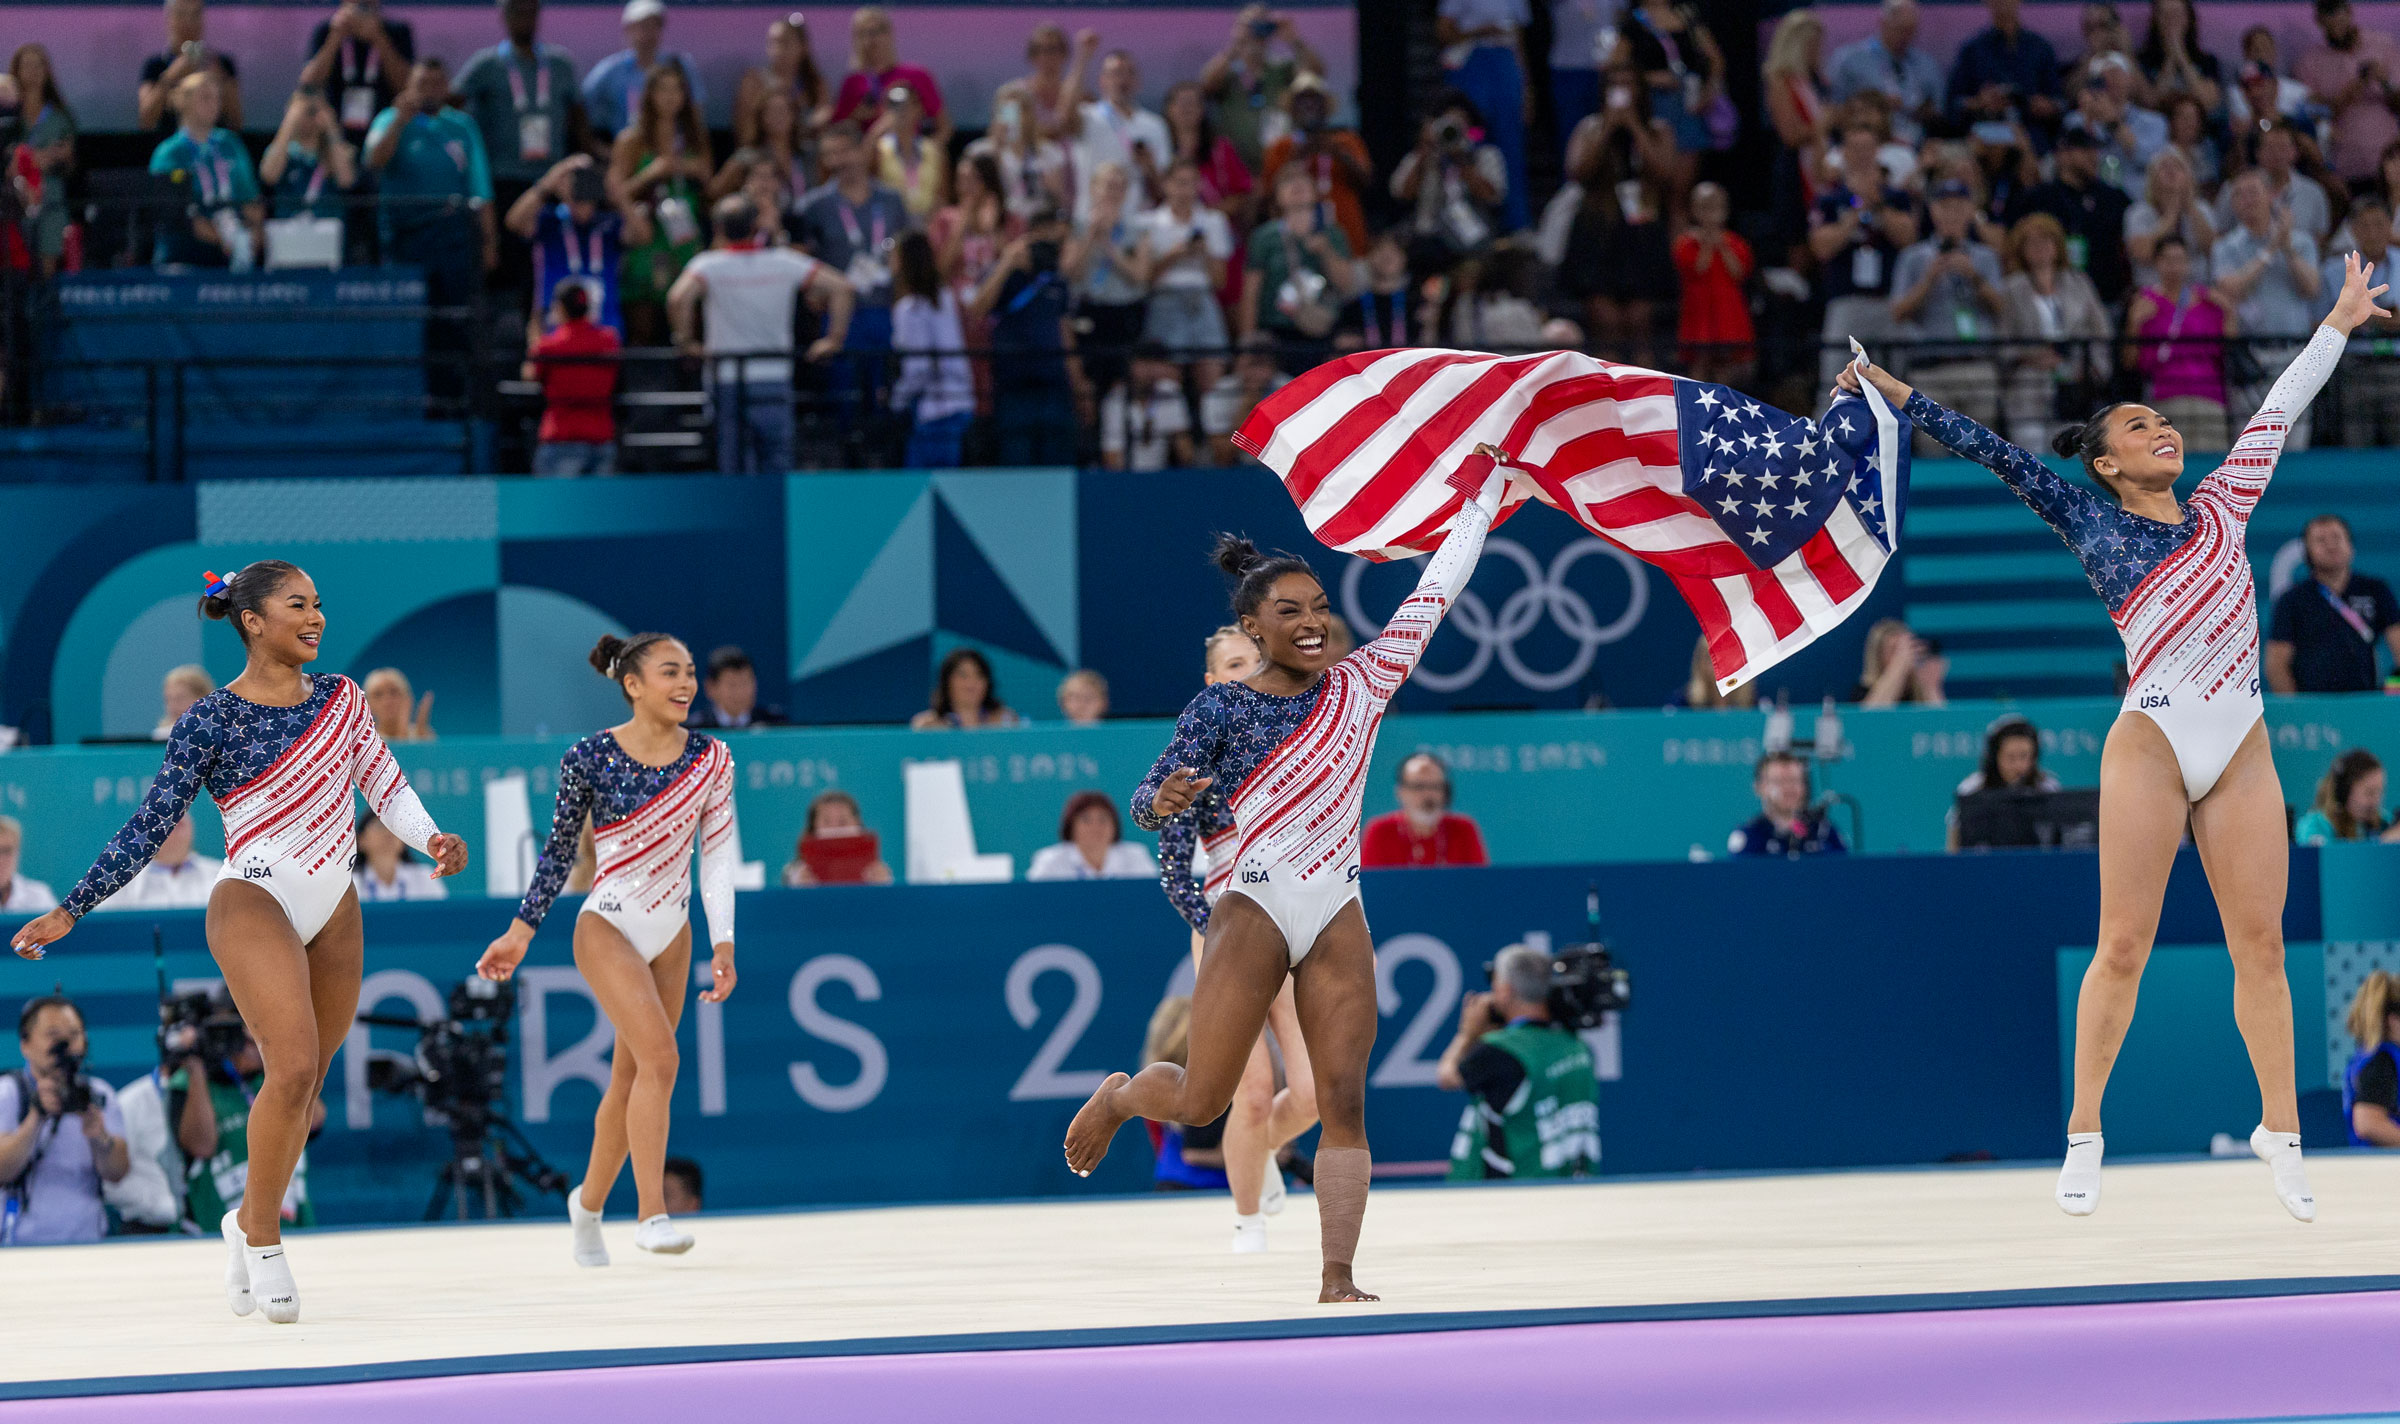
x=618 y=658
x=1254 y=573
x=2088 y=441
x=246 y=590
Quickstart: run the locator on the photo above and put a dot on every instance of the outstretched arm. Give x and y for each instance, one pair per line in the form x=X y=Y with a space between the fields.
x=191 y=749
x=2242 y=479
x=1388 y=660
x=2060 y=504
x=1183 y=770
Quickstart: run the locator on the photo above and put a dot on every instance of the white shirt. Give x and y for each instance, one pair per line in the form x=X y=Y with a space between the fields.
x=410 y=881
x=942 y=385
x=27 y=897
x=151 y=1191
x=1125 y=861
x=1110 y=137
x=748 y=306
x=1168 y=232
x=160 y=886
x=1141 y=432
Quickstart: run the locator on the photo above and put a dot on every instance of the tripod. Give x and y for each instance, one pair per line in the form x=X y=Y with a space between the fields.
x=490 y=1158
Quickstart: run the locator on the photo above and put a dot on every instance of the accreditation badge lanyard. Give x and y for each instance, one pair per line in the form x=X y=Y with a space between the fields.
x=360 y=82
x=533 y=116
x=579 y=260
x=2350 y=616
x=206 y=163
x=866 y=270
x=316 y=180
x=1375 y=322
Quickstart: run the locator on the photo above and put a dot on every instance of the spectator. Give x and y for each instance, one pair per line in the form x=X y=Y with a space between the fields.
x=1489 y=305
x=2371 y=1080
x=964 y=695
x=1700 y=685
x=748 y=290
x=2058 y=333
x=1083 y=698
x=211 y=1114
x=1045 y=95
x=2005 y=74
x=47 y=129
x=400 y=715
x=577 y=238
x=308 y=166
x=731 y=685
x=575 y=362
x=1115 y=128
x=1225 y=181
x=436 y=187
x=2369 y=410
x=2294 y=194
x=2322 y=635
x=1034 y=169
x=1144 y=424
x=223 y=219
x=2349 y=804
x=1091 y=845
x=1793 y=87
x=19 y=895
x=358 y=59
x=1889 y=62
x=2191 y=135
x=2091 y=212
x=386 y=869
x=790 y=71
x=1681 y=82
x=2104 y=34
x=175 y=878
x=851 y=224
x=1900 y=667
x=1786 y=824
x=2180 y=324
x=1456 y=184
x=2386 y=184
x=908 y=160
x=780 y=143
x=2268 y=269
x=1386 y=312
x=875 y=67
x=523 y=101
x=1618 y=262
x=679 y=1188
x=2354 y=73
x=1536 y=1108
x=1033 y=399
x=2173 y=61
x=1248 y=88
x=936 y=385
x=1254 y=377
x=67 y=1138
x=967 y=235
x=1946 y=293
x=2170 y=204
x=187 y=53
x=612 y=92
x=659 y=167
x=1180 y=252
x=1713 y=265
x=1855 y=232
x=1299 y=276
x=2005 y=170
x=2126 y=136
x=183 y=686
x=1336 y=158
x=2012 y=759
x=1483 y=59
x=1424 y=831
x=1103 y=263
x=835 y=846
x=2282 y=95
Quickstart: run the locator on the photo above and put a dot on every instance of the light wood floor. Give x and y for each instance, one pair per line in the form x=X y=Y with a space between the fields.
x=425 y=1293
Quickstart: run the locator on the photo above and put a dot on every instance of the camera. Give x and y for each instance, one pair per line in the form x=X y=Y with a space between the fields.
x=459 y=1071
x=1450 y=132
x=68 y=1064
x=206 y=1024
x=1586 y=982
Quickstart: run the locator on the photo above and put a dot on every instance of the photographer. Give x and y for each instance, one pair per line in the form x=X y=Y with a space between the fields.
x=68 y=1139
x=1537 y=1102
x=1033 y=393
x=1455 y=181
x=212 y=1125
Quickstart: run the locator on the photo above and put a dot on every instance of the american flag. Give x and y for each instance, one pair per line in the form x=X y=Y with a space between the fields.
x=1772 y=527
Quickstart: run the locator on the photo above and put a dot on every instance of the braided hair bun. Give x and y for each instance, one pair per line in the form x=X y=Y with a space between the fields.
x=1255 y=573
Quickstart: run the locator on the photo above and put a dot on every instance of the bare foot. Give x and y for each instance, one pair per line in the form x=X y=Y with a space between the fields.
x=1095 y=1124
x=1339 y=1288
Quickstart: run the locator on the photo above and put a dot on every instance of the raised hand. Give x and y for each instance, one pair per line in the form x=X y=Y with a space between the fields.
x=1892 y=388
x=1179 y=791
x=2356 y=304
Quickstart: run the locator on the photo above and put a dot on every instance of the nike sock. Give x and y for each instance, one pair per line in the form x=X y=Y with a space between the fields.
x=2281 y=1152
x=1250 y=1234
x=271 y=1283
x=2079 y=1179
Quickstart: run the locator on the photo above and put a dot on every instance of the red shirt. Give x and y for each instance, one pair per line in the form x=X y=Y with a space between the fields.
x=1715 y=308
x=576 y=396
x=861 y=95
x=1392 y=841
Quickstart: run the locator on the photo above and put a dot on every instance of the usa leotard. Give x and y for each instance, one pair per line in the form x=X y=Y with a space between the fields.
x=2181 y=594
x=282 y=777
x=1291 y=771
x=644 y=820
x=1195 y=857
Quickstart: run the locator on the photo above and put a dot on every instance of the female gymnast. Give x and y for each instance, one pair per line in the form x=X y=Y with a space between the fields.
x=1288 y=748
x=279 y=749
x=651 y=788
x=2191 y=741
x=1262 y=1118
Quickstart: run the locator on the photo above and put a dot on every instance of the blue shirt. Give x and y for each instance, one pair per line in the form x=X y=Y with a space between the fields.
x=564 y=252
x=209 y=175
x=2028 y=65
x=855 y=240
x=437 y=169
x=1867 y=67
x=307 y=186
x=612 y=92
x=1812 y=834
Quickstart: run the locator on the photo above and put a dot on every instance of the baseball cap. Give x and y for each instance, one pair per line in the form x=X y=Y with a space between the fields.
x=637 y=11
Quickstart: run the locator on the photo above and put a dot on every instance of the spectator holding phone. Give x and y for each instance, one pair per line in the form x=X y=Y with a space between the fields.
x=1335 y=157
x=1890 y=62
x=1248 y=87
x=1856 y=232
x=308 y=167
x=1456 y=183
x=2179 y=324
x=1180 y=251
x=358 y=58
x=2355 y=74
x=187 y=53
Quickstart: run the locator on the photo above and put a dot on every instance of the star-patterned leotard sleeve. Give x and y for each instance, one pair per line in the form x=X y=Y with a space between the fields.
x=566 y=830
x=192 y=747
x=1178 y=843
x=1198 y=741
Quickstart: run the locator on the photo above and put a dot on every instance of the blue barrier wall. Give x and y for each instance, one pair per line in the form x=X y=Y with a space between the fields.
x=915 y=1044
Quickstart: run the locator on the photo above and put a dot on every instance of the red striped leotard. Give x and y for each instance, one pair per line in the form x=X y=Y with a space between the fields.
x=644 y=822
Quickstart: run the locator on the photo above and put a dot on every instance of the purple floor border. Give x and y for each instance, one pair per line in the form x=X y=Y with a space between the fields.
x=2255 y=1358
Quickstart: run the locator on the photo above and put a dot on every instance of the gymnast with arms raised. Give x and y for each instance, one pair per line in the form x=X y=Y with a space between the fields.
x=2191 y=742
x=1287 y=748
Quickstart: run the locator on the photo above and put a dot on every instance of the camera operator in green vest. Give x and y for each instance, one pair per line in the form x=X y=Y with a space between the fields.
x=1536 y=1108
x=208 y=1100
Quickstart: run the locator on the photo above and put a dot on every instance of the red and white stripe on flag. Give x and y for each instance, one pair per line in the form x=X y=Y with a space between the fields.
x=1365 y=444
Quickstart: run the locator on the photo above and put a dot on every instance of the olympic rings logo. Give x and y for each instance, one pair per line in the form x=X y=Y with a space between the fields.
x=1545 y=595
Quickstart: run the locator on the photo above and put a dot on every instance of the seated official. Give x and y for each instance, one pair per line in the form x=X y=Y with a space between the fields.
x=1786 y=823
x=2012 y=760
x=61 y=1136
x=1536 y=1108
x=2349 y=803
x=2323 y=630
x=732 y=688
x=2371 y=1082
x=835 y=846
x=1091 y=845
x=1424 y=831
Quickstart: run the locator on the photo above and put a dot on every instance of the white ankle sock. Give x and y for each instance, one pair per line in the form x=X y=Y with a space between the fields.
x=271 y=1283
x=1270 y=1200
x=1250 y=1234
x=590 y=1248
x=659 y=1234
x=2079 y=1179
x=2281 y=1152
x=237 y=1265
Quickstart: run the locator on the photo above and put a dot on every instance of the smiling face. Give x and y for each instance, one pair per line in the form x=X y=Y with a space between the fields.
x=288 y=625
x=2145 y=450
x=1291 y=624
x=662 y=687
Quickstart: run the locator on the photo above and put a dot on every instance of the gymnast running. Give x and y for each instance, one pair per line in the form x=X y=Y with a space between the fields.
x=279 y=749
x=1262 y=1119
x=2191 y=742
x=650 y=788
x=1287 y=749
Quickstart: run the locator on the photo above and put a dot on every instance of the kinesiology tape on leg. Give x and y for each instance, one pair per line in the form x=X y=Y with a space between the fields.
x=1341 y=1184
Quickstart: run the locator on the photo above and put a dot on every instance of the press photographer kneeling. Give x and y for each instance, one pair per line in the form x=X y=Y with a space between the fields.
x=1536 y=1111
x=208 y=1100
x=64 y=1137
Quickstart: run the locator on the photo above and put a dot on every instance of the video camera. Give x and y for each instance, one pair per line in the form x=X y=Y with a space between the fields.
x=460 y=1065
x=1586 y=983
x=203 y=1023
